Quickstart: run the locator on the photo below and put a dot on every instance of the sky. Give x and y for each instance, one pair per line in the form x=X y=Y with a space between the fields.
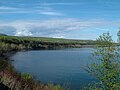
x=70 y=19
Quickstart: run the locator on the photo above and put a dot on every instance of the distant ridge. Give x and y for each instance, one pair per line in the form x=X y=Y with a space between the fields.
x=3 y=34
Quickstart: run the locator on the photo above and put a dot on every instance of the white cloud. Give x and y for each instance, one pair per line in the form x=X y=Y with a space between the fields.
x=61 y=3
x=43 y=12
x=35 y=9
x=58 y=37
x=7 y=8
x=59 y=28
x=23 y=33
x=51 y=13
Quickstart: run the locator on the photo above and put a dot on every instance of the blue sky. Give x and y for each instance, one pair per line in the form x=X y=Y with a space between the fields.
x=73 y=19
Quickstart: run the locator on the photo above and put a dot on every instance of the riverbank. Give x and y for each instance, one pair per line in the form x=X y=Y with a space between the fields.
x=10 y=79
x=9 y=45
x=11 y=72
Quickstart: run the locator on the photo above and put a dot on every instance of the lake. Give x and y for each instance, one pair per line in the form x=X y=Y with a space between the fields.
x=56 y=66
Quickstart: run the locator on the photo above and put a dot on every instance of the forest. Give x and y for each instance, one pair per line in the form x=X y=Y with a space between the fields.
x=15 y=43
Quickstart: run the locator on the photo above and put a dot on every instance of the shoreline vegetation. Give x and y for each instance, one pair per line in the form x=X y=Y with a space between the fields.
x=9 y=45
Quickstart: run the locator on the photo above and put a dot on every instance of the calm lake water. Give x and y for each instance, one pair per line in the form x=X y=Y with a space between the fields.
x=56 y=66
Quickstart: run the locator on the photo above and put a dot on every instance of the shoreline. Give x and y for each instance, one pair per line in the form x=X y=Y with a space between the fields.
x=8 y=60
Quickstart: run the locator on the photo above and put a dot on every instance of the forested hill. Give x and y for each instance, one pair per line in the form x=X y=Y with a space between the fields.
x=2 y=34
x=18 y=43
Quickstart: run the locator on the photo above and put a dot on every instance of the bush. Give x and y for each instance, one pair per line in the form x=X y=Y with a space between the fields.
x=108 y=70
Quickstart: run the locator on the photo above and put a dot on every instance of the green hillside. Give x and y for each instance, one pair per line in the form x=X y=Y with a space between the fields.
x=15 y=43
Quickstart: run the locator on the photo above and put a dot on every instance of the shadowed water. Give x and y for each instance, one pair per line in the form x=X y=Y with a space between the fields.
x=56 y=66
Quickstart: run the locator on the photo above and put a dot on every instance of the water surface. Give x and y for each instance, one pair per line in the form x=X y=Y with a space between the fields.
x=56 y=66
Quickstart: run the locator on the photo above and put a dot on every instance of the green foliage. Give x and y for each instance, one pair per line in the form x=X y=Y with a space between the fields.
x=54 y=87
x=3 y=64
x=18 y=43
x=107 y=69
x=26 y=76
x=95 y=86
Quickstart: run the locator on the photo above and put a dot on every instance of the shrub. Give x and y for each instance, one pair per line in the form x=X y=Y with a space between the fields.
x=108 y=70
